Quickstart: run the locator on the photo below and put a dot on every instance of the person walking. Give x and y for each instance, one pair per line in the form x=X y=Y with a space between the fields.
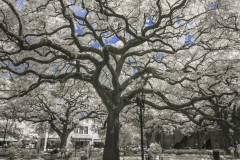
x=238 y=150
x=231 y=149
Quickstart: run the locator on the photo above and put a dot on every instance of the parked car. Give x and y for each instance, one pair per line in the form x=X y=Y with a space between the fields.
x=135 y=149
x=166 y=148
x=139 y=147
x=54 y=151
x=144 y=147
x=187 y=148
x=136 y=146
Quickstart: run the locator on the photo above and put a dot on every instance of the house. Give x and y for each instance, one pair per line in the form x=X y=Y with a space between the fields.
x=78 y=138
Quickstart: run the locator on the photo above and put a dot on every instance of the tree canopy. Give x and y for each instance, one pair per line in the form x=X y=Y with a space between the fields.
x=180 y=53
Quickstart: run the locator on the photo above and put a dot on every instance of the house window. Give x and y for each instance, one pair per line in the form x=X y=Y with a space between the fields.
x=80 y=131
x=75 y=131
x=79 y=145
x=98 y=145
x=86 y=130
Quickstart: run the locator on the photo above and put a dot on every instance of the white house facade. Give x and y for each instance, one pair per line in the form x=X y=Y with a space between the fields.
x=79 y=138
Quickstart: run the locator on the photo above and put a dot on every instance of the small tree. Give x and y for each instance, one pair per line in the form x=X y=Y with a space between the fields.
x=128 y=136
x=155 y=148
x=63 y=107
x=156 y=121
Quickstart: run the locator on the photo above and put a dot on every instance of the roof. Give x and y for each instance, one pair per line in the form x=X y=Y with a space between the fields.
x=81 y=137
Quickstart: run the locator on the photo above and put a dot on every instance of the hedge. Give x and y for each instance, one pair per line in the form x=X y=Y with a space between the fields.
x=192 y=151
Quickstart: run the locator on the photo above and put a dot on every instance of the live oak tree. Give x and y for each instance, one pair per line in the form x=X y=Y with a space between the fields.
x=221 y=111
x=121 y=48
x=219 y=78
x=62 y=106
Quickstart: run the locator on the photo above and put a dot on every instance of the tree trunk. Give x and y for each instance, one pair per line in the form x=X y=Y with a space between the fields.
x=148 y=138
x=125 y=151
x=111 y=148
x=4 y=137
x=63 y=144
x=227 y=139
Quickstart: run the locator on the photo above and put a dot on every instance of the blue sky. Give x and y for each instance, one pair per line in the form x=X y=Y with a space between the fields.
x=149 y=21
x=112 y=40
x=20 y=3
x=82 y=13
x=189 y=40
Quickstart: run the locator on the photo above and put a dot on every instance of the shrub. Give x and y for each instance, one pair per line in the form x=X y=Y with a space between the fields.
x=155 y=148
x=221 y=152
x=34 y=153
x=11 y=152
x=56 y=143
x=29 y=153
x=183 y=151
x=2 y=152
x=17 y=144
x=193 y=151
x=96 y=150
x=34 y=156
x=25 y=153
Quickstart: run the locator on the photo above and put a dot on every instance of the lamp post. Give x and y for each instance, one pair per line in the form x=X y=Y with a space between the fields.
x=46 y=137
x=140 y=102
x=204 y=143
